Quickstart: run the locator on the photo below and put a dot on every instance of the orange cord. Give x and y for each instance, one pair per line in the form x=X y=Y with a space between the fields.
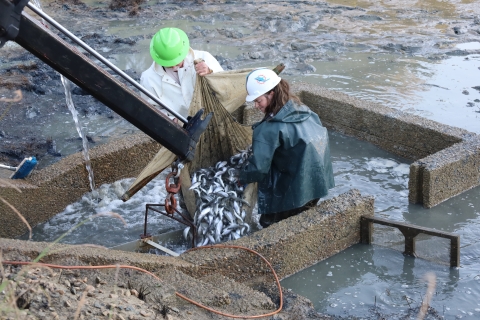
x=56 y=266
x=178 y=294
x=231 y=315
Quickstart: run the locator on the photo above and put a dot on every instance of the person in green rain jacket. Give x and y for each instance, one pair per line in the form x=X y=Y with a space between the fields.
x=291 y=154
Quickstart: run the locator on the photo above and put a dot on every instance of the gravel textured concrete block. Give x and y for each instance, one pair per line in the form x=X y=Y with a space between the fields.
x=451 y=171
x=295 y=243
x=401 y=133
x=251 y=114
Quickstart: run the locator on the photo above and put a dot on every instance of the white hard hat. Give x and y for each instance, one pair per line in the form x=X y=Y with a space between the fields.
x=260 y=81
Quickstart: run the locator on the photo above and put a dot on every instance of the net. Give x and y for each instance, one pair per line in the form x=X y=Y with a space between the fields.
x=221 y=93
x=224 y=136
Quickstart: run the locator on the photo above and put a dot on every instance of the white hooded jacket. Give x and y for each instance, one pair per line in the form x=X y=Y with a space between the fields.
x=171 y=94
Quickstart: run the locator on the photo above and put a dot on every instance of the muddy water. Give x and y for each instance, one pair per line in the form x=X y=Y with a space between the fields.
x=437 y=90
x=417 y=56
x=373 y=281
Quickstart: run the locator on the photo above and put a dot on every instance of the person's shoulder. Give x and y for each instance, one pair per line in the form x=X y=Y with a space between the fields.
x=199 y=51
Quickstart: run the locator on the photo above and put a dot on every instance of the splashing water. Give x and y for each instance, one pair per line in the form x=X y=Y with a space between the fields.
x=68 y=97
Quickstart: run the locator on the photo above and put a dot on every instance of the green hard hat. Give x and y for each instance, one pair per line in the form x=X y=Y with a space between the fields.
x=169 y=46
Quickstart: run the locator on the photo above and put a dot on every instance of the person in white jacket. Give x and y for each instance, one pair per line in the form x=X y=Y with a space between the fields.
x=172 y=75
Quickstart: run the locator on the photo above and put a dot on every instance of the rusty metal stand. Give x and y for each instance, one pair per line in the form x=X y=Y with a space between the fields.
x=170 y=207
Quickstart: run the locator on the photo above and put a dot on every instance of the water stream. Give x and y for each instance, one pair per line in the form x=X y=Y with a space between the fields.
x=68 y=97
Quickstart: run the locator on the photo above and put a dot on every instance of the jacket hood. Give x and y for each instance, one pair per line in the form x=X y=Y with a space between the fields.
x=292 y=112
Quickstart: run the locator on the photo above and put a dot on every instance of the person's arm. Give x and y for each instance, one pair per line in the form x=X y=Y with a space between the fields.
x=209 y=65
x=258 y=165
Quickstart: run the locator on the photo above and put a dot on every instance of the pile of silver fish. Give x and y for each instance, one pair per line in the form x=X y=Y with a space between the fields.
x=220 y=215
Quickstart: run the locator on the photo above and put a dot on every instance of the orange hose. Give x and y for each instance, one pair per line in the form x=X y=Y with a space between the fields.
x=231 y=315
x=55 y=266
x=178 y=294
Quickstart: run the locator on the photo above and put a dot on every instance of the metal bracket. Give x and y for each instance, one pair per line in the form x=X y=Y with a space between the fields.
x=10 y=14
x=195 y=127
x=160 y=208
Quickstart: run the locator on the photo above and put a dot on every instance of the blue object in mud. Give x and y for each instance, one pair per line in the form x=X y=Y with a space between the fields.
x=24 y=168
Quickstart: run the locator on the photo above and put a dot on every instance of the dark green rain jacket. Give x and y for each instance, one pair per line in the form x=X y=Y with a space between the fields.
x=290 y=160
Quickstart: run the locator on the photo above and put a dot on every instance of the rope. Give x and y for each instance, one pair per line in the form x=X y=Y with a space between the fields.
x=231 y=315
x=54 y=266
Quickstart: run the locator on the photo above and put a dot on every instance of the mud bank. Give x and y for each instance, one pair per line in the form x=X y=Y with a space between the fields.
x=228 y=280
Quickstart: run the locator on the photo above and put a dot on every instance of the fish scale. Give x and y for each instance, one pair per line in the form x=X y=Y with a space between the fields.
x=219 y=214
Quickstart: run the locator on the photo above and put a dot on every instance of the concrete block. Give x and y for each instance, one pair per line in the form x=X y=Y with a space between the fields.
x=451 y=171
x=297 y=242
x=403 y=134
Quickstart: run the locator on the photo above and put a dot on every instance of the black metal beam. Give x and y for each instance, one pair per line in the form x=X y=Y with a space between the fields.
x=78 y=68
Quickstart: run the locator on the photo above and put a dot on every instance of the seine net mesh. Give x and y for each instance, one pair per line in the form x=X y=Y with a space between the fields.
x=224 y=136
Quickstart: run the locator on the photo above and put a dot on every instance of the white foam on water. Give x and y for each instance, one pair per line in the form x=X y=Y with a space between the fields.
x=380 y=164
x=105 y=230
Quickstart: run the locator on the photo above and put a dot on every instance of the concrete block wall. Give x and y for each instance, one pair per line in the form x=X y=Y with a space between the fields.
x=292 y=245
x=398 y=132
x=447 y=158
x=48 y=191
x=298 y=242
x=445 y=174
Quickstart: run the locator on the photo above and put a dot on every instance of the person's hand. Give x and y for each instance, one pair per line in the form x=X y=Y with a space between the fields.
x=202 y=69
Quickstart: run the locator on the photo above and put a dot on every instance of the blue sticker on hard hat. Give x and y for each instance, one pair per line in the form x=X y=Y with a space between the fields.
x=261 y=79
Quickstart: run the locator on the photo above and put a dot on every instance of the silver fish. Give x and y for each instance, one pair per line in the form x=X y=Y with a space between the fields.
x=195 y=185
x=221 y=164
x=219 y=215
x=186 y=233
x=204 y=213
